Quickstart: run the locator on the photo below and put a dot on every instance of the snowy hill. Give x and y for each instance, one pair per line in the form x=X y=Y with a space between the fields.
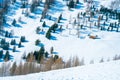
x=101 y=71
x=91 y=37
x=66 y=43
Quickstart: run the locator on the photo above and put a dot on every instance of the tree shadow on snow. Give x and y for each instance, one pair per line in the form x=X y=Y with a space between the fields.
x=18 y=25
x=22 y=22
x=79 y=6
x=41 y=45
x=32 y=16
x=7 y=25
x=56 y=7
x=53 y=38
x=55 y=52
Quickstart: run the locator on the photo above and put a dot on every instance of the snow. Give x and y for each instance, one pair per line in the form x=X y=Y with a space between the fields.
x=99 y=71
x=66 y=43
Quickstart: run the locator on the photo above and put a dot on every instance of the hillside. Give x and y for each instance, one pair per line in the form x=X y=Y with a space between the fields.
x=101 y=71
x=41 y=30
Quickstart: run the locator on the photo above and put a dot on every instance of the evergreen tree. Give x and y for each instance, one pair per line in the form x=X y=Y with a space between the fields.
x=19 y=45
x=44 y=24
x=5 y=46
x=7 y=56
x=2 y=42
x=71 y=4
x=13 y=42
x=40 y=54
x=46 y=54
x=54 y=27
x=48 y=34
x=14 y=22
x=37 y=42
x=6 y=34
x=1 y=54
x=22 y=39
x=14 y=48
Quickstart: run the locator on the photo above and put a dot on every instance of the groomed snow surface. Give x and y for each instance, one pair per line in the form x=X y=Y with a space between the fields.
x=100 y=71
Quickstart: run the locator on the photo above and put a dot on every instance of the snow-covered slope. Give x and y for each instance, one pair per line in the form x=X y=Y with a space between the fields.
x=65 y=44
x=100 y=71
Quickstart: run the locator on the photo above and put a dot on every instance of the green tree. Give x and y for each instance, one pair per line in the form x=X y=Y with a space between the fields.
x=14 y=48
x=44 y=24
x=48 y=34
x=19 y=45
x=13 y=42
x=14 y=22
x=22 y=39
x=1 y=54
x=7 y=56
x=37 y=42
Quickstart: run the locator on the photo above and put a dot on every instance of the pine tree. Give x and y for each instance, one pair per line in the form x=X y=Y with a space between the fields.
x=13 y=42
x=5 y=46
x=44 y=24
x=14 y=48
x=37 y=42
x=40 y=54
x=46 y=54
x=22 y=39
x=71 y=4
x=7 y=56
x=6 y=34
x=1 y=54
x=2 y=42
x=48 y=34
x=19 y=45
x=14 y=22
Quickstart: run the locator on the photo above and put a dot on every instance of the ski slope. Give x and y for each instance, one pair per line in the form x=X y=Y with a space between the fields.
x=100 y=71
